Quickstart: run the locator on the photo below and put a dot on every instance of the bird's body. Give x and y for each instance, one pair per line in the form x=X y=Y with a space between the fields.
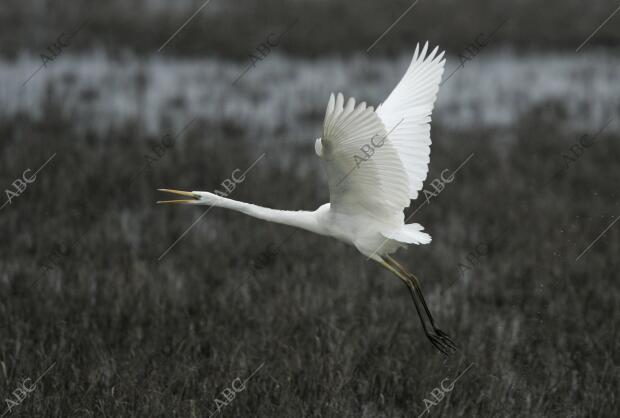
x=376 y=162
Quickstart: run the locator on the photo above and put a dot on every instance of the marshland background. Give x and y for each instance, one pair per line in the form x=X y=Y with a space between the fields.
x=522 y=271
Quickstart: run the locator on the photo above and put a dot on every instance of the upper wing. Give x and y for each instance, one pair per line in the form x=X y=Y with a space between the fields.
x=412 y=103
x=363 y=168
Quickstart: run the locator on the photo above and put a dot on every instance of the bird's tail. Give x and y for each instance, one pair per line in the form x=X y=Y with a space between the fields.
x=409 y=234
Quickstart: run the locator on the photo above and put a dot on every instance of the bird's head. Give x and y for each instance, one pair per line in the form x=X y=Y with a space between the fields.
x=197 y=198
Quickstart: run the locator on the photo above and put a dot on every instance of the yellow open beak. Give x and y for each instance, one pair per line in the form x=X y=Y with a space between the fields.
x=179 y=192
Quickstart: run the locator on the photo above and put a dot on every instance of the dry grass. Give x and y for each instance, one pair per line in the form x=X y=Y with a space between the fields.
x=133 y=336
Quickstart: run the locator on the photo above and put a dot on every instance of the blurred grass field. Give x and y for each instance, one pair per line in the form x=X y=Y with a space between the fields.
x=116 y=317
x=233 y=29
x=336 y=335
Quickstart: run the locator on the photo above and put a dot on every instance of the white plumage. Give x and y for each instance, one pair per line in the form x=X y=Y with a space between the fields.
x=379 y=187
x=413 y=100
x=376 y=162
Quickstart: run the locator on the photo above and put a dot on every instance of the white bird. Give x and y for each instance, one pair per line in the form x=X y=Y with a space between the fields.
x=376 y=162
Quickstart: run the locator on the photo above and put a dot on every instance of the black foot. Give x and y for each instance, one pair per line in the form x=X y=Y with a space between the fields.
x=446 y=338
x=442 y=342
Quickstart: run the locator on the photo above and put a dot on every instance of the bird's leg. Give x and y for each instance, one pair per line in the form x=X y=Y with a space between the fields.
x=435 y=338
x=411 y=290
x=416 y=285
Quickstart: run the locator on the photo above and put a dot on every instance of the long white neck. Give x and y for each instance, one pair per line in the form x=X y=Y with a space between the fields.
x=307 y=220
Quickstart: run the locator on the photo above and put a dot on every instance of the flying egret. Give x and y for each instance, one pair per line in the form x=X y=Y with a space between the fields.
x=376 y=161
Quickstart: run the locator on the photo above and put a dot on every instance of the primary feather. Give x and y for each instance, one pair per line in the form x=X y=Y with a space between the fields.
x=377 y=161
x=412 y=102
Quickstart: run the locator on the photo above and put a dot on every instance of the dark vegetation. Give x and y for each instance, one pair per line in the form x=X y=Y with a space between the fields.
x=235 y=29
x=336 y=335
x=85 y=298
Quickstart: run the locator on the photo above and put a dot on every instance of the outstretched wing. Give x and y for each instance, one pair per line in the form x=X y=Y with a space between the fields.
x=412 y=103
x=364 y=171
